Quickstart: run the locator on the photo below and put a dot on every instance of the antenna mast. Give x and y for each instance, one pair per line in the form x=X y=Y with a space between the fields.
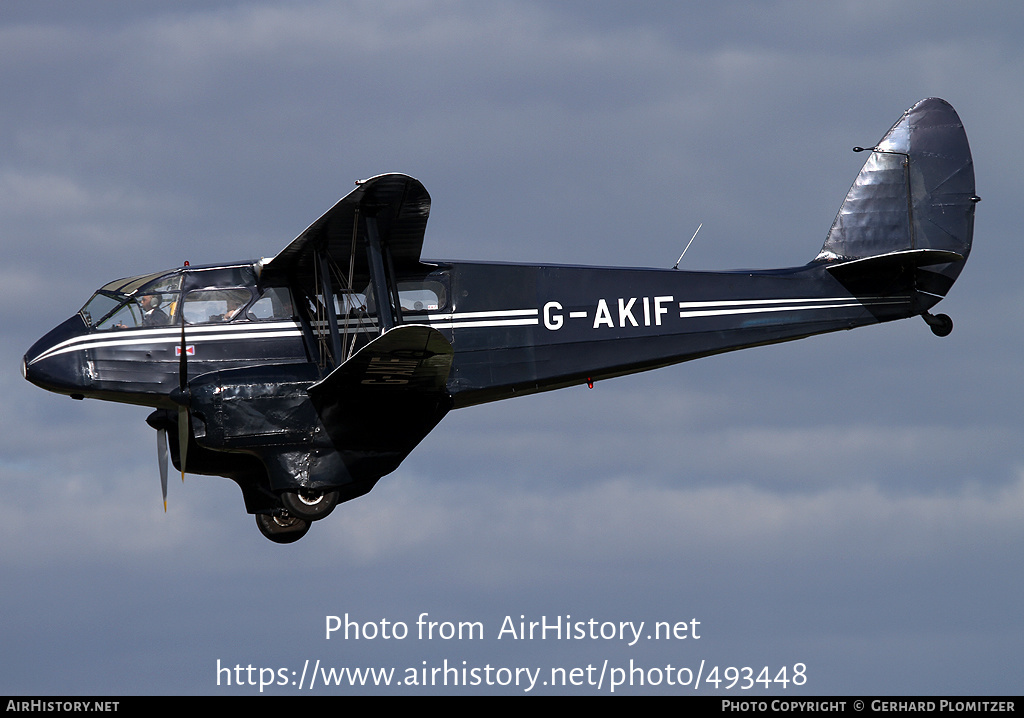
x=676 y=266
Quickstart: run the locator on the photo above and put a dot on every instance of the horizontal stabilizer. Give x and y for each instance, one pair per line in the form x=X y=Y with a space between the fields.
x=896 y=272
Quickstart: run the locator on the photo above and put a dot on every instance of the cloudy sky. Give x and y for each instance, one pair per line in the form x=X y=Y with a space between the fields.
x=851 y=503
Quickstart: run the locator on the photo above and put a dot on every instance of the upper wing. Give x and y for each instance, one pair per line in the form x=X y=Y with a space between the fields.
x=399 y=204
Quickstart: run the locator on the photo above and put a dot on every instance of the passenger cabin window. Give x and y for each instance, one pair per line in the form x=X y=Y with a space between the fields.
x=350 y=303
x=210 y=306
x=417 y=295
x=421 y=296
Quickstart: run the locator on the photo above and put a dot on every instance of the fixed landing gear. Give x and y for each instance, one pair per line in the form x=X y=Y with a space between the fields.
x=310 y=504
x=941 y=325
x=282 y=527
x=301 y=508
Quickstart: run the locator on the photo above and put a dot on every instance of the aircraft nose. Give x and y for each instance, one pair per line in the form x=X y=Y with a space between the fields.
x=50 y=365
x=30 y=375
x=62 y=373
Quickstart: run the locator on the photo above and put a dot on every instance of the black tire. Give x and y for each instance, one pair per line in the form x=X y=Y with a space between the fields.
x=282 y=528
x=310 y=504
x=942 y=326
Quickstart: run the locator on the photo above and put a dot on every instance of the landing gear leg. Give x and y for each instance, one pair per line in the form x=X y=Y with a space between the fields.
x=941 y=325
x=282 y=527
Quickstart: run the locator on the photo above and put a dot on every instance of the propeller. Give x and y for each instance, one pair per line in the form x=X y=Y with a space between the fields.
x=159 y=419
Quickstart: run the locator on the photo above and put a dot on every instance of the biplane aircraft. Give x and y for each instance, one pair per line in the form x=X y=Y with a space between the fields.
x=307 y=377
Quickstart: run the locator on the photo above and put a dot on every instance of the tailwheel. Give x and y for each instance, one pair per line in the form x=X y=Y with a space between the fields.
x=282 y=527
x=940 y=324
x=310 y=504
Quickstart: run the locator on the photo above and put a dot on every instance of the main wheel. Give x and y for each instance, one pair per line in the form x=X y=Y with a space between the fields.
x=282 y=528
x=310 y=504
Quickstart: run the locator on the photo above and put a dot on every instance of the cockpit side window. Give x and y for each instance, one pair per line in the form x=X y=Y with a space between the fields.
x=99 y=306
x=110 y=310
x=206 y=306
x=273 y=303
x=127 y=316
x=146 y=301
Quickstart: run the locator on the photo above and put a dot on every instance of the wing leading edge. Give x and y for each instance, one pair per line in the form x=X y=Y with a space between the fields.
x=398 y=207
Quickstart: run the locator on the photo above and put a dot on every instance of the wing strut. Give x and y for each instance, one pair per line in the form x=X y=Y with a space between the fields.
x=324 y=269
x=383 y=289
x=350 y=340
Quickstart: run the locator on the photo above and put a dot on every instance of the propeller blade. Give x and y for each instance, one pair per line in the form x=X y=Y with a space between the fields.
x=183 y=359
x=183 y=410
x=183 y=438
x=161 y=455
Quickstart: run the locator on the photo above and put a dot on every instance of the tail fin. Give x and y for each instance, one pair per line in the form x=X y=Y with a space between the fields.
x=911 y=206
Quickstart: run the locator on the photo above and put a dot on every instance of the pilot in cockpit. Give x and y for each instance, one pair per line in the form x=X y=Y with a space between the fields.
x=152 y=314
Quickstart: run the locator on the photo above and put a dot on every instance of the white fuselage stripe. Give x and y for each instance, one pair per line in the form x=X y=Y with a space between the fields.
x=485 y=315
x=451 y=324
x=464 y=320
x=749 y=302
x=165 y=335
x=820 y=304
